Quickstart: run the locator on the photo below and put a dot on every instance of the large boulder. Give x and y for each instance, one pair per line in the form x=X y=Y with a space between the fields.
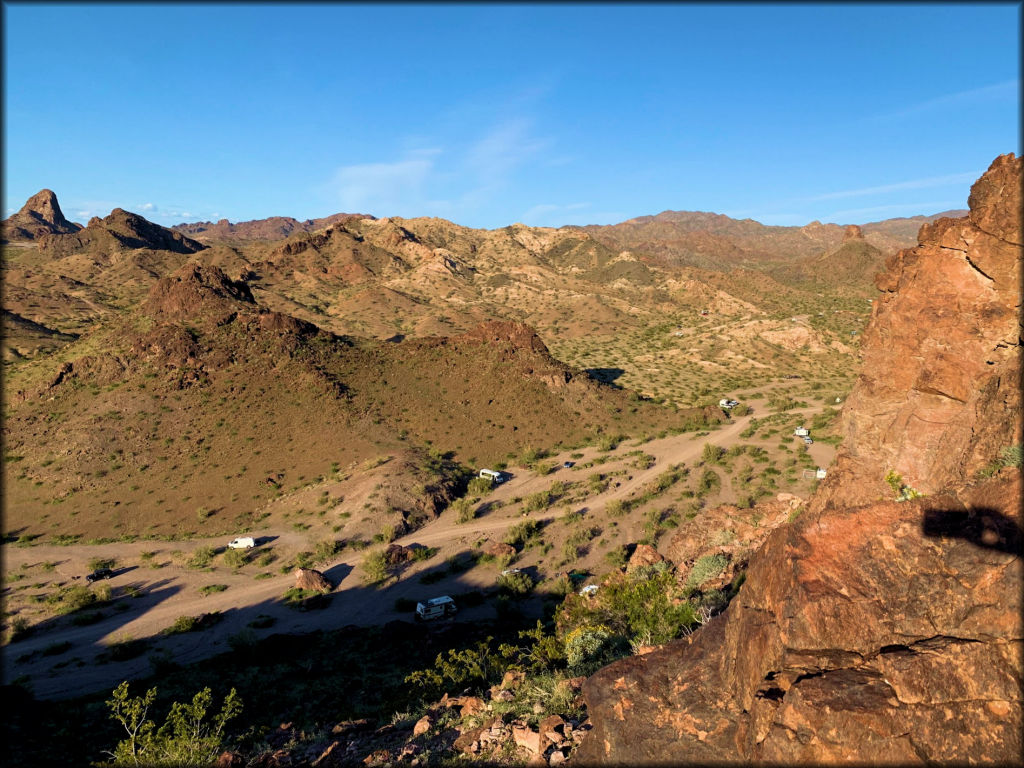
x=312 y=581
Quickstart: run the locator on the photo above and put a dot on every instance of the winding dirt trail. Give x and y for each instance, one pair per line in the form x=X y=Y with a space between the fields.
x=167 y=590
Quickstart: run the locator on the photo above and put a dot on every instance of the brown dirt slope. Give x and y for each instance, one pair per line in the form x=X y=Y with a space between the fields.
x=874 y=629
x=203 y=399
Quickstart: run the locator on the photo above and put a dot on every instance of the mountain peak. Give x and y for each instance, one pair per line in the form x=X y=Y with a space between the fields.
x=41 y=215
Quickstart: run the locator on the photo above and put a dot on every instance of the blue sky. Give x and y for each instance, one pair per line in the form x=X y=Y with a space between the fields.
x=493 y=114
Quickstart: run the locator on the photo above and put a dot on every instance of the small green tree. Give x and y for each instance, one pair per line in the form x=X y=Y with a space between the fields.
x=185 y=738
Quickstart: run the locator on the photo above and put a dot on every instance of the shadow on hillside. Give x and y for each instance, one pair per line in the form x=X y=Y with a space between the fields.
x=983 y=527
x=605 y=375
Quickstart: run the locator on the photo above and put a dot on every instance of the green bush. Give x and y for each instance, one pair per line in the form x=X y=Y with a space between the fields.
x=712 y=454
x=375 y=568
x=71 y=599
x=201 y=558
x=235 y=558
x=95 y=563
x=479 y=486
x=187 y=737
x=706 y=568
x=516 y=585
x=464 y=510
x=522 y=534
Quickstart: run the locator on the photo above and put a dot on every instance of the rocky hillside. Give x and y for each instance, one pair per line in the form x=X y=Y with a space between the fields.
x=121 y=230
x=883 y=624
x=272 y=228
x=714 y=241
x=41 y=215
x=200 y=395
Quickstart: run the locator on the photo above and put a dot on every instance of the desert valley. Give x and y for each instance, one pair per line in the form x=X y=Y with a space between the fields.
x=700 y=489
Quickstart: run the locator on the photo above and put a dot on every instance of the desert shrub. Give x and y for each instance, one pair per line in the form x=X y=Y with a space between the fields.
x=182 y=624
x=479 y=486
x=235 y=558
x=375 y=567
x=617 y=557
x=709 y=481
x=95 y=563
x=706 y=568
x=516 y=585
x=712 y=454
x=607 y=443
x=464 y=510
x=432 y=577
x=75 y=598
x=459 y=669
x=645 y=461
x=325 y=550
x=201 y=558
x=421 y=554
x=903 y=492
x=590 y=648
x=522 y=534
x=536 y=502
x=187 y=737
x=19 y=629
x=642 y=604
x=211 y=589
x=1012 y=456
x=616 y=508
x=387 y=534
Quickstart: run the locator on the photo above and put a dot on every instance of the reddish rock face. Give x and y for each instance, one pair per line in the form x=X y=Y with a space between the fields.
x=41 y=215
x=872 y=630
x=939 y=390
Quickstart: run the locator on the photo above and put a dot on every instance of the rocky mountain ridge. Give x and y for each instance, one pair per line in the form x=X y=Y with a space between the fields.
x=41 y=215
x=875 y=629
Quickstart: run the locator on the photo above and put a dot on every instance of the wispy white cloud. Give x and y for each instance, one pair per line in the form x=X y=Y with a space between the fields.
x=439 y=181
x=931 y=181
x=1008 y=89
x=149 y=207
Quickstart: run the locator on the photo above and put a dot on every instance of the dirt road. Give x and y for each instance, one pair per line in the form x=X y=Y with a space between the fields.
x=168 y=590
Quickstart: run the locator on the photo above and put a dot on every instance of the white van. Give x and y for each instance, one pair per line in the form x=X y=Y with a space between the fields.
x=435 y=608
x=243 y=542
x=493 y=475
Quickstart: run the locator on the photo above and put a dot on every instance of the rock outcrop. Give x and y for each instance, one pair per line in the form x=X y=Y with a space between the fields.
x=119 y=231
x=41 y=215
x=874 y=630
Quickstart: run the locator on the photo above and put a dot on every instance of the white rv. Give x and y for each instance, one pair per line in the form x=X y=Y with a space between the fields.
x=243 y=542
x=435 y=608
x=493 y=475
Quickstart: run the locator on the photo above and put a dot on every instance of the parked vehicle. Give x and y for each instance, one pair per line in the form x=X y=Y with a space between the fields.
x=493 y=475
x=726 y=403
x=242 y=542
x=99 y=574
x=568 y=464
x=436 y=608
